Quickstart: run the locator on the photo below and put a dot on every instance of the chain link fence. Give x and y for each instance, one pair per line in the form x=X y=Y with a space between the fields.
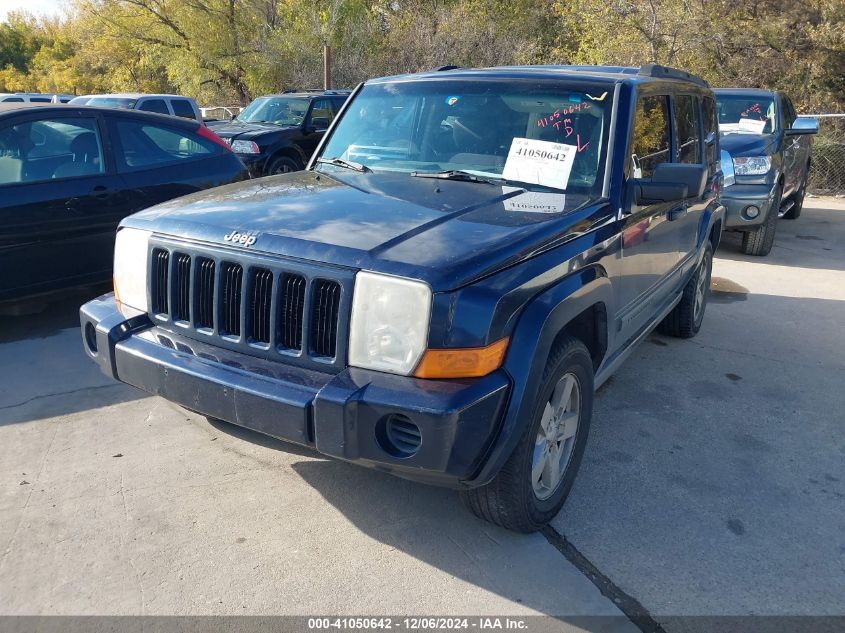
x=827 y=173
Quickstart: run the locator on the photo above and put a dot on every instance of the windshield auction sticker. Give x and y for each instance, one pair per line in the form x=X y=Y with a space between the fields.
x=540 y=162
x=751 y=125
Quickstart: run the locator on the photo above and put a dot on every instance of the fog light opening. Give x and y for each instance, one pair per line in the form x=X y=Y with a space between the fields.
x=91 y=337
x=751 y=211
x=398 y=436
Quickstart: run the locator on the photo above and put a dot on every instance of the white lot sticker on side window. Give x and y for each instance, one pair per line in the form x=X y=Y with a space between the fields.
x=752 y=126
x=540 y=162
x=534 y=201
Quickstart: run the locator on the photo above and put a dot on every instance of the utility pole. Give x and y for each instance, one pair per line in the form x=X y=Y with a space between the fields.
x=327 y=67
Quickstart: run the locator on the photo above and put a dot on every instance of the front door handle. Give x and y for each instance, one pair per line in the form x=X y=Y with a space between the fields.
x=677 y=212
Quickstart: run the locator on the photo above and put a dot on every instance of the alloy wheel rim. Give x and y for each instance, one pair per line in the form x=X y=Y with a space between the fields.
x=555 y=440
x=700 y=288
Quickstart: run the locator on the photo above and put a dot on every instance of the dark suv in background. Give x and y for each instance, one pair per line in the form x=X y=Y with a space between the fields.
x=766 y=150
x=277 y=134
x=468 y=256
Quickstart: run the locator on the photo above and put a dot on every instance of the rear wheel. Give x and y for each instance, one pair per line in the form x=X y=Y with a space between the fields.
x=760 y=240
x=684 y=321
x=533 y=484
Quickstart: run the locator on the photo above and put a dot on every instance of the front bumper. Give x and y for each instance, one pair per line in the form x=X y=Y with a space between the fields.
x=737 y=197
x=255 y=164
x=342 y=415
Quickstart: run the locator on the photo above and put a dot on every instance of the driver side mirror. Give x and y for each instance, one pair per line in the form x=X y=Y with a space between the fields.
x=318 y=124
x=804 y=125
x=671 y=182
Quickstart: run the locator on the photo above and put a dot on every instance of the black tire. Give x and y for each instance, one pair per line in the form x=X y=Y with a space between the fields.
x=684 y=321
x=759 y=241
x=283 y=165
x=510 y=499
x=797 y=202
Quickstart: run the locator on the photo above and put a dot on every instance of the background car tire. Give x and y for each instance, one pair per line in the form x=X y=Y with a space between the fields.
x=510 y=499
x=797 y=202
x=283 y=165
x=759 y=241
x=684 y=321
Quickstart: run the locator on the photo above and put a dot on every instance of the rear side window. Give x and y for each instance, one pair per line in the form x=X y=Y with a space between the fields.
x=144 y=145
x=183 y=108
x=650 y=146
x=50 y=149
x=711 y=128
x=40 y=99
x=154 y=105
x=687 y=126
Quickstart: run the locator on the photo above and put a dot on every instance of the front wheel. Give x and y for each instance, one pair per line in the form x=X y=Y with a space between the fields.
x=759 y=241
x=283 y=165
x=533 y=484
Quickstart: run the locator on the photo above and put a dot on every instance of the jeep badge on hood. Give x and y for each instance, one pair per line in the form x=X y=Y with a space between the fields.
x=244 y=239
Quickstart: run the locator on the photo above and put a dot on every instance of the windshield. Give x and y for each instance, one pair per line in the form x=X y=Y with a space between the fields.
x=549 y=134
x=747 y=115
x=278 y=110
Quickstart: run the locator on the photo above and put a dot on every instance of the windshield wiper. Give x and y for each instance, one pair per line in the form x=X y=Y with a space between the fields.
x=468 y=176
x=455 y=174
x=348 y=164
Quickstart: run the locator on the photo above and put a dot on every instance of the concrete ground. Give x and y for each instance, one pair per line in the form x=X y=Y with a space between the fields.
x=712 y=482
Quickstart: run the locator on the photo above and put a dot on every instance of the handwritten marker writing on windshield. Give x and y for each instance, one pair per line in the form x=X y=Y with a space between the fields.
x=599 y=98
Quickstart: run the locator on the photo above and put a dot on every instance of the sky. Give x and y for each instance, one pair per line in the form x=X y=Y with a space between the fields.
x=38 y=7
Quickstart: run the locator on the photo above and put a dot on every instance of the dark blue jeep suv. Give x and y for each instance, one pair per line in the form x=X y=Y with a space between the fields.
x=469 y=254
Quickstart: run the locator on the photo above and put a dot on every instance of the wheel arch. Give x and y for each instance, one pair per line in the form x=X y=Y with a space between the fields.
x=286 y=151
x=580 y=306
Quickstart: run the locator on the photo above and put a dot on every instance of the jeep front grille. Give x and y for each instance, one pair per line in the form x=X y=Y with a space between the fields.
x=258 y=304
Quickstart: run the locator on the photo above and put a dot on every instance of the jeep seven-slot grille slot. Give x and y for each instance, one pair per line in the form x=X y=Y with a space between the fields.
x=254 y=307
x=182 y=289
x=230 y=308
x=160 y=273
x=324 y=312
x=291 y=309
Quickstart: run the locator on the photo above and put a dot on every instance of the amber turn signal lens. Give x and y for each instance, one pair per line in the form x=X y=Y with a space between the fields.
x=469 y=362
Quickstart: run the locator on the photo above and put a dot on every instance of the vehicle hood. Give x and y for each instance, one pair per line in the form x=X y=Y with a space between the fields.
x=748 y=144
x=447 y=233
x=248 y=131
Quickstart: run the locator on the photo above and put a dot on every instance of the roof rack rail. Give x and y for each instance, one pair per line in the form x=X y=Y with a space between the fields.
x=656 y=70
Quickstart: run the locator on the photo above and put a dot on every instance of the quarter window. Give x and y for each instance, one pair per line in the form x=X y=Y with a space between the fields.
x=687 y=126
x=651 y=135
x=50 y=149
x=144 y=145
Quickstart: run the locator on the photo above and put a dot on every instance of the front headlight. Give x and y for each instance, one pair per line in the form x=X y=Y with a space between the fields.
x=131 y=248
x=245 y=147
x=389 y=325
x=752 y=165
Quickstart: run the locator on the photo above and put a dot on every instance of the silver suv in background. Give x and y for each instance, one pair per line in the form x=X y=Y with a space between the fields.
x=174 y=105
x=33 y=97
